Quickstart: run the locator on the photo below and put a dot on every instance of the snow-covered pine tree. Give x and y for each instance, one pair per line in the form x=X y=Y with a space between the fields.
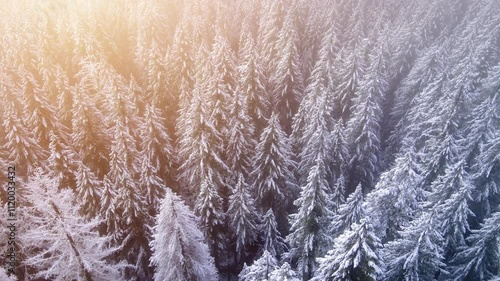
x=270 y=22
x=158 y=156
x=274 y=182
x=130 y=204
x=351 y=67
x=283 y=273
x=356 y=256
x=88 y=190
x=243 y=217
x=395 y=200
x=208 y=206
x=62 y=158
x=221 y=83
x=309 y=236
x=60 y=244
x=410 y=93
x=241 y=142
x=108 y=208
x=251 y=82
x=340 y=152
x=180 y=61
x=203 y=170
x=87 y=131
x=483 y=146
x=179 y=250
x=316 y=140
x=195 y=128
x=456 y=214
x=21 y=146
x=364 y=126
x=478 y=260
x=39 y=109
x=274 y=243
x=261 y=269
x=348 y=213
x=418 y=254
x=287 y=82
x=156 y=84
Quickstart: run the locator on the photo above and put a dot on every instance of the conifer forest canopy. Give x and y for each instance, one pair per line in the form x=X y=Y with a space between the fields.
x=257 y=140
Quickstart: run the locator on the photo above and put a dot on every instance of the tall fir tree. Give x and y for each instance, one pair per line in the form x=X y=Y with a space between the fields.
x=273 y=179
x=251 y=82
x=364 y=127
x=309 y=236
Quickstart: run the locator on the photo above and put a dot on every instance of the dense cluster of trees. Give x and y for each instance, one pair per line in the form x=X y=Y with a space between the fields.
x=253 y=140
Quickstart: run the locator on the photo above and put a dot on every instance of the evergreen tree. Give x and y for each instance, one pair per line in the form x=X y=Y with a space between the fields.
x=351 y=70
x=180 y=61
x=270 y=21
x=251 y=82
x=203 y=167
x=87 y=131
x=21 y=146
x=478 y=260
x=60 y=243
x=196 y=132
x=38 y=107
x=243 y=217
x=273 y=179
x=411 y=92
x=316 y=141
x=62 y=158
x=348 y=213
x=108 y=209
x=208 y=206
x=130 y=204
x=158 y=154
x=364 y=127
x=241 y=141
x=418 y=254
x=339 y=152
x=261 y=269
x=397 y=197
x=179 y=250
x=283 y=273
x=88 y=190
x=274 y=244
x=221 y=84
x=308 y=237
x=355 y=256
x=287 y=82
